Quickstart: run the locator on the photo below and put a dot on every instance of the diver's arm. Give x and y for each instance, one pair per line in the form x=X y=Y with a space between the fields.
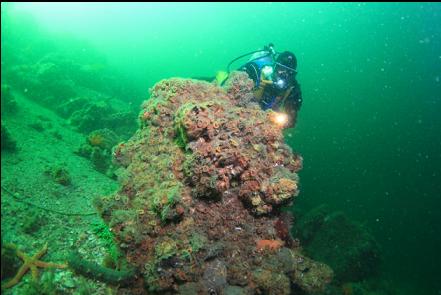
x=296 y=95
x=293 y=104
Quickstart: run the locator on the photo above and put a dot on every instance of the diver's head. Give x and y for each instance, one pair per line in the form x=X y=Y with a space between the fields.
x=285 y=69
x=287 y=60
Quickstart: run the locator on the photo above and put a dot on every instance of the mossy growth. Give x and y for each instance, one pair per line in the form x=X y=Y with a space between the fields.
x=164 y=199
x=85 y=288
x=45 y=286
x=197 y=241
x=187 y=166
x=166 y=248
x=151 y=277
x=121 y=216
x=181 y=134
x=59 y=174
x=181 y=138
x=102 y=231
x=128 y=218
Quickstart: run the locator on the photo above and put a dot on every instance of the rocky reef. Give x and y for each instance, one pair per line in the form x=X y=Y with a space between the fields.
x=203 y=181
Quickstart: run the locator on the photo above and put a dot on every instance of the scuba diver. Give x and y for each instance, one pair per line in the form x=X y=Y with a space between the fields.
x=275 y=84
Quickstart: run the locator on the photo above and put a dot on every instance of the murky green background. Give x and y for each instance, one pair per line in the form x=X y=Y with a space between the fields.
x=369 y=128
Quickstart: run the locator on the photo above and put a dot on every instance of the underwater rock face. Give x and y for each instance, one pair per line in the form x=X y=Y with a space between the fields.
x=324 y=235
x=204 y=179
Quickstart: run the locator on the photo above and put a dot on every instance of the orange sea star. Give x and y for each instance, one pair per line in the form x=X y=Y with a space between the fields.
x=31 y=263
x=269 y=244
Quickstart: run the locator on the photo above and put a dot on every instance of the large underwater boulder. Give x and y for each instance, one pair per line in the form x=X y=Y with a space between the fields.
x=204 y=178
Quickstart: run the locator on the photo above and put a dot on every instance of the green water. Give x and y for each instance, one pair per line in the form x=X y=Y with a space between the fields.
x=369 y=127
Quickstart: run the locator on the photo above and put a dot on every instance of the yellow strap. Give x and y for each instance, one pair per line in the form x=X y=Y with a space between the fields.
x=221 y=76
x=258 y=93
